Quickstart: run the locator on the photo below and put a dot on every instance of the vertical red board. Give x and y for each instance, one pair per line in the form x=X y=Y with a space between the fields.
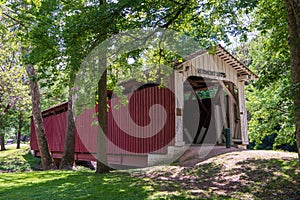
x=33 y=139
x=139 y=105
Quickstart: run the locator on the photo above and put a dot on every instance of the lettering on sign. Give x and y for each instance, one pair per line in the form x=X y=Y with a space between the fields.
x=212 y=73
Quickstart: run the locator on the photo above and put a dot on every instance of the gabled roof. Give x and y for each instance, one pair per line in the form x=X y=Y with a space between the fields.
x=229 y=59
x=234 y=63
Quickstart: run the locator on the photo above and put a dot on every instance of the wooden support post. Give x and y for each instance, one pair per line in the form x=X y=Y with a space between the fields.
x=223 y=105
x=237 y=131
x=229 y=91
x=243 y=113
x=218 y=123
x=231 y=113
x=179 y=109
x=218 y=114
x=219 y=92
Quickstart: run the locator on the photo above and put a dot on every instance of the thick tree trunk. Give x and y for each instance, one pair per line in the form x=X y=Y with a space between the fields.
x=293 y=13
x=102 y=165
x=19 y=130
x=67 y=161
x=46 y=158
x=2 y=143
x=2 y=140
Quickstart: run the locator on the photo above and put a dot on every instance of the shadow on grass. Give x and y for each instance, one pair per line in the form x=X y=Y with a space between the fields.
x=250 y=179
x=31 y=160
x=68 y=185
x=19 y=161
x=272 y=178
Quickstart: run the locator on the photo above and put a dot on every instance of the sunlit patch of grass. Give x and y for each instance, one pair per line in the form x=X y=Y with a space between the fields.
x=17 y=160
x=69 y=184
x=251 y=177
x=11 y=149
x=167 y=195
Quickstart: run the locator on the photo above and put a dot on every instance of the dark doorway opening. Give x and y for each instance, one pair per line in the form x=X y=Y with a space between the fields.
x=199 y=125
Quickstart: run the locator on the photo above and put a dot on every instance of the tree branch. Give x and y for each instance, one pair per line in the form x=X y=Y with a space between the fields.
x=184 y=6
x=14 y=19
x=5 y=109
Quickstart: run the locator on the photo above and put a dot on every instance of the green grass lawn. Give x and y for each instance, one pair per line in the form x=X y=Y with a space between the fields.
x=237 y=175
x=68 y=185
x=17 y=160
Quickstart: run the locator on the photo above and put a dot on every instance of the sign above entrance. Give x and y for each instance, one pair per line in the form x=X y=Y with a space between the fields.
x=212 y=73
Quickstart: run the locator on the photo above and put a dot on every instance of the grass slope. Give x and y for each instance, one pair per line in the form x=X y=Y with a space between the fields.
x=17 y=160
x=237 y=175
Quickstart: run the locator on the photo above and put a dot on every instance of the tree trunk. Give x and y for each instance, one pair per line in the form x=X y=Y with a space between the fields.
x=19 y=130
x=2 y=142
x=293 y=14
x=102 y=164
x=67 y=160
x=46 y=158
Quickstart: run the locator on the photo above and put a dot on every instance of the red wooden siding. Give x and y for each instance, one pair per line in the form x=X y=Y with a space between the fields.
x=139 y=106
x=119 y=142
x=55 y=126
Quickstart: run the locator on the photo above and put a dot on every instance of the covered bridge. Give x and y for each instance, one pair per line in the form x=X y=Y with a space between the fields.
x=205 y=95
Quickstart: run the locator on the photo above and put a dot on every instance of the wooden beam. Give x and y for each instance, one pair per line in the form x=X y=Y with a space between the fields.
x=231 y=112
x=218 y=123
x=237 y=132
x=231 y=96
x=220 y=90
x=179 y=102
x=223 y=108
x=243 y=113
